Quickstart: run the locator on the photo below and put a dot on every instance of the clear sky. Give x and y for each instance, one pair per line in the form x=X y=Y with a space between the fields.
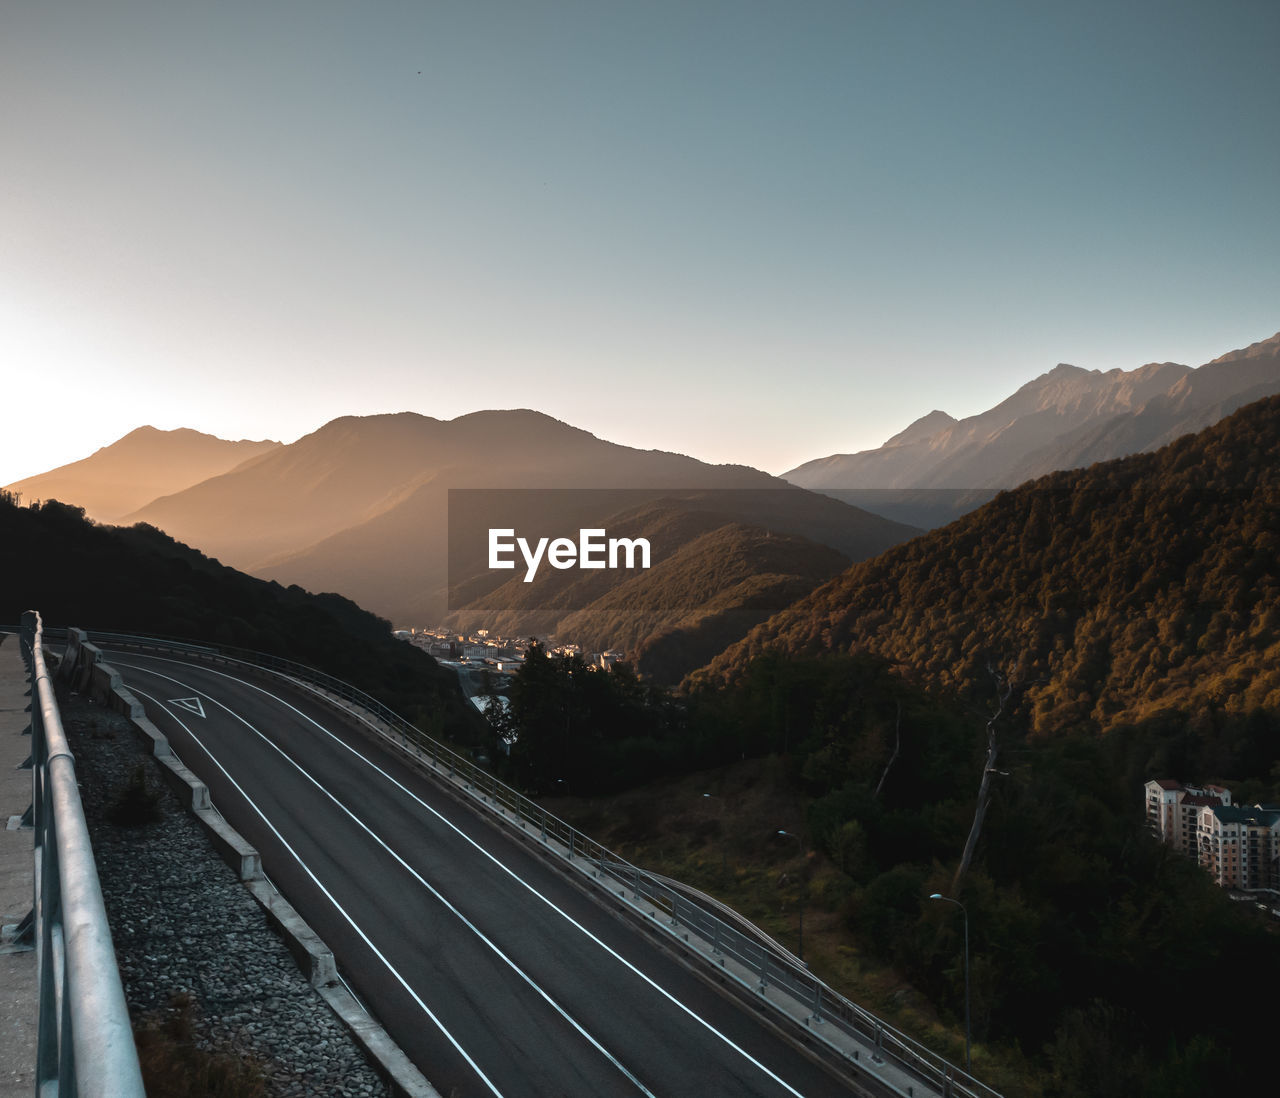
x=747 y=230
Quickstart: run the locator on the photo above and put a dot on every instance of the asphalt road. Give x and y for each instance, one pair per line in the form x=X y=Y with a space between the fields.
x=492 y=972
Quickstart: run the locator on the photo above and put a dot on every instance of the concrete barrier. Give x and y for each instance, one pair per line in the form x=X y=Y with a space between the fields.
x=190 y=790
x=71 y=655
x=313 y=956
x=159 y=742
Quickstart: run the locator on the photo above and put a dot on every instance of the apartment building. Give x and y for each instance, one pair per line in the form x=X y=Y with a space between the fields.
x=1238 y=845
x=1173 y=811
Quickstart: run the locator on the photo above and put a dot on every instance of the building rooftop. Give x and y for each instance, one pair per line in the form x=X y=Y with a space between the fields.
x=1237 y=814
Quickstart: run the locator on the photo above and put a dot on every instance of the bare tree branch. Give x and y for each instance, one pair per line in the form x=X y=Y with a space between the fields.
x=897 y=745
x=1003 y=689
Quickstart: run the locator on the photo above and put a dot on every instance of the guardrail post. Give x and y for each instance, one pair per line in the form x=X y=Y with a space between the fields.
x=48 y=964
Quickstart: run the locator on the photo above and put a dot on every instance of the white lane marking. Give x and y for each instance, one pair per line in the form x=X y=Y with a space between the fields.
x=422 y=881
x=510 y=872
x=191 y=705
x=378 y=953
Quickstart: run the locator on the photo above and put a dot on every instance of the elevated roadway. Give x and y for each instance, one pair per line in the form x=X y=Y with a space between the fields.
x=494 y=973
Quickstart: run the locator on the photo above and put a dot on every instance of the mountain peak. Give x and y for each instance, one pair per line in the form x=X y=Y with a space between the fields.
x=1062 y=373
x=186 y=435
x=923 y=428
x=1264 y=348
x=524 y=416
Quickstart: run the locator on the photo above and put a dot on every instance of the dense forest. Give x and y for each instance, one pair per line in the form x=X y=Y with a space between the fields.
x=139 y=579
x=1139 y=587
x=702 y=598
x=1083 y=926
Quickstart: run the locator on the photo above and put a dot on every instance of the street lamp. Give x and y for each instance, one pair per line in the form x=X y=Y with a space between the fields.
x=948 y=899
x=800 y=943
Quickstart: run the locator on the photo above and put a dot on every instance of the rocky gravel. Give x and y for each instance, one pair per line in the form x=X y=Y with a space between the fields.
x=183 y=924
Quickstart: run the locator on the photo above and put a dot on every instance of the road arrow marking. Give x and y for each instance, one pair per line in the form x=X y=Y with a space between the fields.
x=191 y=704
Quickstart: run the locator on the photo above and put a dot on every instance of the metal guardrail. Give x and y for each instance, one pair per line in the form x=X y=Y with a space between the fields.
x=84 y=1042
x=771 y=965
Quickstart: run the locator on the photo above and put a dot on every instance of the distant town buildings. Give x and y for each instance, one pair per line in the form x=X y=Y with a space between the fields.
x=1239 y=846
x=485 y=650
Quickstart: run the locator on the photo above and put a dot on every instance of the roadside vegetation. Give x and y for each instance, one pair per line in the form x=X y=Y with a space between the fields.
x=176 y=1063
x=1082 y=927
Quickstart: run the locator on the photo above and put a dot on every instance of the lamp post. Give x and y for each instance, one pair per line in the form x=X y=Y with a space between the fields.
x=948 y=899
x=800 y=943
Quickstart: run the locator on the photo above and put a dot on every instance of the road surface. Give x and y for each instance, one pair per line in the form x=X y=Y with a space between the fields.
x=493 y=973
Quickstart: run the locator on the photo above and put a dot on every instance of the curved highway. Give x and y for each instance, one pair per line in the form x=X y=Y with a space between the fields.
x=493 y=973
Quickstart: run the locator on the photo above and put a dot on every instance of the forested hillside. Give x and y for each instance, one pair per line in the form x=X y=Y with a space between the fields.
x=712 y=580
x=1105 y=596
x=139 y=579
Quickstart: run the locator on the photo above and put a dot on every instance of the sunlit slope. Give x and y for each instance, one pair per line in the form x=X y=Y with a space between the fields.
x=1105 y=594
x=134 y=470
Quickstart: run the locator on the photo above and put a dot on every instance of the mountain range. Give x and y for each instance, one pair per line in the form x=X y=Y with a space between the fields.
x=362 y=506
x=376 y=507
x=1068 y=418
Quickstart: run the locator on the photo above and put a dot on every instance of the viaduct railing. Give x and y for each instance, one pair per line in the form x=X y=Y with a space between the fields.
x=84 y=1042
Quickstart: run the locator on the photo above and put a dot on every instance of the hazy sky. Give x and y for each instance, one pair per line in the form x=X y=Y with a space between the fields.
x=758 y=232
